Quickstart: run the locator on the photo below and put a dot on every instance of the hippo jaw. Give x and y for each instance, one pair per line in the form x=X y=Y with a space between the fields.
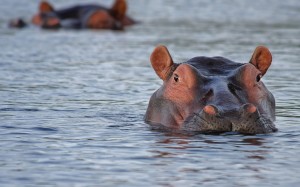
x=246 y=120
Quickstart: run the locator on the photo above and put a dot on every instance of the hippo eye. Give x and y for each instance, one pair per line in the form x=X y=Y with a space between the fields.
x=258 y=77
x=176 y=77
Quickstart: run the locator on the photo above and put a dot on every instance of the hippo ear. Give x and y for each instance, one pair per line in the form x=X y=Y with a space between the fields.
x=118 y=10
x=261 y=59
x=161 y=61
x=45 y=7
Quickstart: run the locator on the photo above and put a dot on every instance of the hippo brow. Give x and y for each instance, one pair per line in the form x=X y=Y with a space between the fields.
x=173 y=68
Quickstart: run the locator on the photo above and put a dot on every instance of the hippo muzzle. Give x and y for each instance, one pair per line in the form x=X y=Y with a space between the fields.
x=246 y=120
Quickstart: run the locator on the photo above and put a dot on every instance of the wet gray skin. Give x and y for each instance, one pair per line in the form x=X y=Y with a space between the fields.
x=212 y=95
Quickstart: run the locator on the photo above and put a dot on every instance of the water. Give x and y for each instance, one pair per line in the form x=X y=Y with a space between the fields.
x=72 y=102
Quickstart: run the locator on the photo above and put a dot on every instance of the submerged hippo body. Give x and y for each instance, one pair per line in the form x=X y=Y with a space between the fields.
x=212 y=95
x=80 y=17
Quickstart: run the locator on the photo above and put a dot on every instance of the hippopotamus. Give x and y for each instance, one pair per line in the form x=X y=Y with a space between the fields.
x=212 y=94
x=89 y=16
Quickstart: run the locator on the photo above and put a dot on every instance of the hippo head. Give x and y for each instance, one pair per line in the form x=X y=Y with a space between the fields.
x=93 y=17
x=108 y=19
x=212 y=95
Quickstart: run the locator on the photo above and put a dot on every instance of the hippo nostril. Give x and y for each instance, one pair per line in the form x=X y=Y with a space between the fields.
x=209 y=94
x=210 y=109
x=249 y=108
x=231 y=88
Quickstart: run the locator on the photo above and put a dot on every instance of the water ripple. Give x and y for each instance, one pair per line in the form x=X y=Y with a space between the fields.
x=72 y=102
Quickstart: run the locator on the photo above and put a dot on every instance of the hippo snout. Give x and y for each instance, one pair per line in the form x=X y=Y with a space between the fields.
x=245 y=119
x=243 y=111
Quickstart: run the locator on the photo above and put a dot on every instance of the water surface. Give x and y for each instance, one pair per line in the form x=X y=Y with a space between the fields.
x=72 y=102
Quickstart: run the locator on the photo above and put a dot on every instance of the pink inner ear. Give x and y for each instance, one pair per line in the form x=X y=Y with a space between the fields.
x=161 y=61
x=118 y=10
x=45 y=7
x=261 y=59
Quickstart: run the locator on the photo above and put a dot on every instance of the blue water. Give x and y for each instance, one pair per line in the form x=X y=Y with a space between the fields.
x=72 y=102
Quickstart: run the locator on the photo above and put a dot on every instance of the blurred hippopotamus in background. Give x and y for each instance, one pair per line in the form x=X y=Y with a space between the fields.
x=80 y=17
x=212 y=94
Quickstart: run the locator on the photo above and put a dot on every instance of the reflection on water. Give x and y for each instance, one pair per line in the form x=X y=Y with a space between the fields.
x=253 y=141
x=72 y=102
x=212 y=159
